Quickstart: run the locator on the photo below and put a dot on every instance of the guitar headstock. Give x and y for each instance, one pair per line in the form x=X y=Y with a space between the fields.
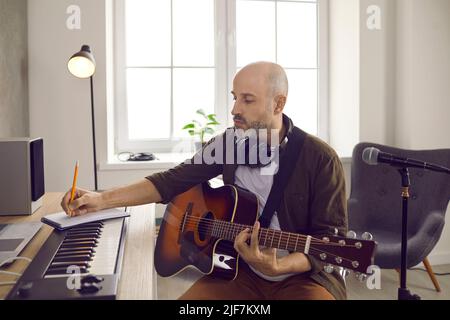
x=350 y=253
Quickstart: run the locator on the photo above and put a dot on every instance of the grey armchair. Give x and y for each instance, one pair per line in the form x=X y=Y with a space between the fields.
x=375 y=205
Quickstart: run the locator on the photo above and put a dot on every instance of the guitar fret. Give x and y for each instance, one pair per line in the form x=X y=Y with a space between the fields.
x=271 y=240
x=308 y=243
x=236 y=231
x=212 y=228
x=221 y=230
x=218 y=229
x=287 y=244
x=279 y=239
x=265 y=237
x=225 y=230
x=296 y=242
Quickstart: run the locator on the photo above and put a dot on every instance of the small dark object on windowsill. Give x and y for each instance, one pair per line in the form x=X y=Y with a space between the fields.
x=136 y=157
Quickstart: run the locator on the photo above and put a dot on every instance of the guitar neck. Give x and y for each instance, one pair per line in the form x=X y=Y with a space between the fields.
x=269 y=238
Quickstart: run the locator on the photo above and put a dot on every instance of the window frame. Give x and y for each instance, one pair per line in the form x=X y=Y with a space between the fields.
x=225 y=66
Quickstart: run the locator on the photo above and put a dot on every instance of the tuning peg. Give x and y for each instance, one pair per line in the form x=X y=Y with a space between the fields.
x=367 y=236
x=328 y=268
x=345 y=272
x=351 y=235
x=361 y=277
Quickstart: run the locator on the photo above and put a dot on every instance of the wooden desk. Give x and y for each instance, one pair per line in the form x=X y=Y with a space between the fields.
x=138 y=272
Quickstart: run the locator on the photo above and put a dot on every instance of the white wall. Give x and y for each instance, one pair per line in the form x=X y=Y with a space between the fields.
x=344 y=71
x=377 y=77
x=423 y=84
x=403 y=81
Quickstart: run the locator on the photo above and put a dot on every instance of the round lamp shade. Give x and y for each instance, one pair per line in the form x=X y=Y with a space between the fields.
x=82 y=64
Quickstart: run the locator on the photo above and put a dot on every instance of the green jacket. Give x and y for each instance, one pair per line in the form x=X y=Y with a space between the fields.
x=314 y=201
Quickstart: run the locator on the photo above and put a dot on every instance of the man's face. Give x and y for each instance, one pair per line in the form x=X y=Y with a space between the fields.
x=253 y=106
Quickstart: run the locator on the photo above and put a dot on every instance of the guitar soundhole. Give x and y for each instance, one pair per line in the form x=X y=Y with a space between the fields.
x=205 y=226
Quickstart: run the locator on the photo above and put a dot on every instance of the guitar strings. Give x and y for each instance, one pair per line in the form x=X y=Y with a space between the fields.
x=312 y=250
x=234 y=227
x=283 y=238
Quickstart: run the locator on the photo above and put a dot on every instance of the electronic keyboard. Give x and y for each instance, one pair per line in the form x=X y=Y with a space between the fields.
x=83 y=262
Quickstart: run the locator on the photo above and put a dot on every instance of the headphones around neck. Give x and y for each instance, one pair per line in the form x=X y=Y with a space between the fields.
x=248 y=150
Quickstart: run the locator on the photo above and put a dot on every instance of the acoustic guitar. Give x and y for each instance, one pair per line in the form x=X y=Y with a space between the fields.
x=200 y=226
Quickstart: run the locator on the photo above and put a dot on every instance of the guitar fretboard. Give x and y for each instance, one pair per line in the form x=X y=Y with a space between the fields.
x=266 y=237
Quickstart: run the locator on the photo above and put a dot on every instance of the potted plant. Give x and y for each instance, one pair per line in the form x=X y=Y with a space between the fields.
x=201 y=128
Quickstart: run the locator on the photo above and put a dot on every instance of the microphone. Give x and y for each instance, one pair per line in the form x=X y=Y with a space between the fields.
x=373 y=156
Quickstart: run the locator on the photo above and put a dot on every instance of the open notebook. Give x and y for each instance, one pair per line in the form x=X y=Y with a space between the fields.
x=62 y=221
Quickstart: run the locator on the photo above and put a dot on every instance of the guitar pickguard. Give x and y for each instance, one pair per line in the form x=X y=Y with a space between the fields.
x=224 y=261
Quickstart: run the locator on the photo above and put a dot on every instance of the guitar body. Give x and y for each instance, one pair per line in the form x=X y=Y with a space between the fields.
x=184 y=239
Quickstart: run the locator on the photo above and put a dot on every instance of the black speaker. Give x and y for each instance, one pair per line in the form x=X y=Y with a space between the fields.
x=37 y=169
x=22 y=184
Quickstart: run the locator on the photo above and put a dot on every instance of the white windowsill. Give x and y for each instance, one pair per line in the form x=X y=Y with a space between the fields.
x=164 y=161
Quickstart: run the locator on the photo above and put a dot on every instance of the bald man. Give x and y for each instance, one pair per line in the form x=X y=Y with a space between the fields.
x=314 y=199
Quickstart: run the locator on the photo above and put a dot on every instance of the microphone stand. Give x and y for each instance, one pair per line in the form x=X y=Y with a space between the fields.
x=403 y=292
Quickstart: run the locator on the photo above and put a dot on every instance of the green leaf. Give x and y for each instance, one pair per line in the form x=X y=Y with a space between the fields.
x=209 y=130
x=201 y=112
x=212 y=117
x=192 y=132
x=189 y=126
x=215 y=123
x=197 y=122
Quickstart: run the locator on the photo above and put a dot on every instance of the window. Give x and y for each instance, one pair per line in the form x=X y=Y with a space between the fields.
x=176 y=56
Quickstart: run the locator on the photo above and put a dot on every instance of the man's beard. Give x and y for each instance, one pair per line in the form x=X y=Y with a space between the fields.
x=253 y=125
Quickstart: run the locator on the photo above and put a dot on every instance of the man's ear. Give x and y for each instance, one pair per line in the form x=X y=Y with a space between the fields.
x=280 y=103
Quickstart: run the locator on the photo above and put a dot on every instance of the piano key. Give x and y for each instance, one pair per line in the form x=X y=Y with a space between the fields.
x=104 y=260
x=98 y=223
x=95 y=223
x=75 y=252
x=77 y=257
x=67 y=264
x=85 y=230
x=71 y=249
x=89 y=244
x=80 y=235
x=94 y=233
x=78 y=240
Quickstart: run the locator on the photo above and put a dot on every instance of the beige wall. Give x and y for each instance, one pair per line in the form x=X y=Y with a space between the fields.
x=60 y=103
x=14 y=120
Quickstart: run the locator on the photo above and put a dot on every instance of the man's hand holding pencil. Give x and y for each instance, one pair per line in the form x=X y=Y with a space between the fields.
x=78 y=202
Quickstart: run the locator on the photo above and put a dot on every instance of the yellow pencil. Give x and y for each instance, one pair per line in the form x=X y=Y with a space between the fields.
x=74 y=184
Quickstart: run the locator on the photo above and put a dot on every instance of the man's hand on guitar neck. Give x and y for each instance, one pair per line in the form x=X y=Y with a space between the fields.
x=265 y=259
